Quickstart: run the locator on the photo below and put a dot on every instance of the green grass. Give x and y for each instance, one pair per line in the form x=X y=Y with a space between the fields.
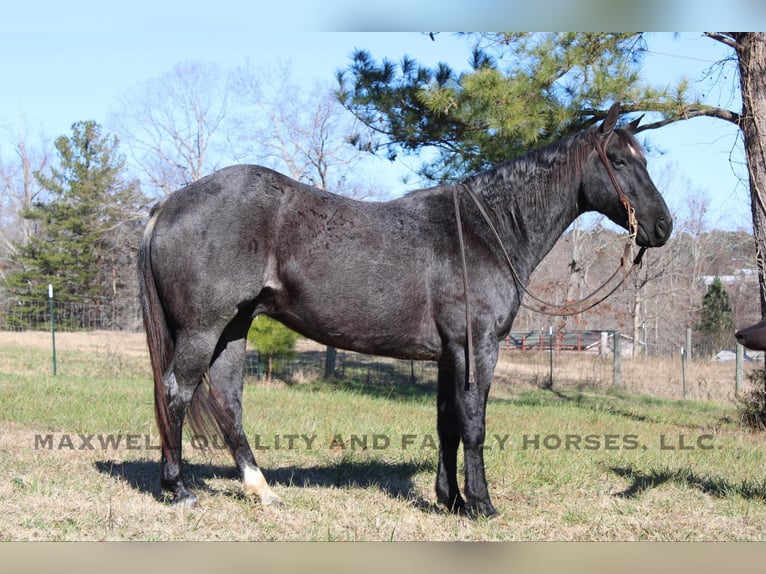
x=576 y=463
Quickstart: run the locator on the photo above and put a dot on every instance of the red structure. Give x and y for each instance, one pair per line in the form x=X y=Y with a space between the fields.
x=588 y=341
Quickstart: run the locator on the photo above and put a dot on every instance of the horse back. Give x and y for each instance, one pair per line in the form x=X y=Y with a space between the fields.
x=352 y=274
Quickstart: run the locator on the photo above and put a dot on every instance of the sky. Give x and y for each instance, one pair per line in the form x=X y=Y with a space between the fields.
x=66 y=62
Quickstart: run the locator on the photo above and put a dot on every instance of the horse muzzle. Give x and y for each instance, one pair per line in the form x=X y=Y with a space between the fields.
x=753 y=337
x=657 y=235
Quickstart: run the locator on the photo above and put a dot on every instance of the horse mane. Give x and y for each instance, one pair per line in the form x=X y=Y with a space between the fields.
x=536 y=178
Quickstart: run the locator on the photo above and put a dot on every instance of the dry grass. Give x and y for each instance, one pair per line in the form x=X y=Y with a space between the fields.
x=646 y=492
x=661 y=377
x=101 y=342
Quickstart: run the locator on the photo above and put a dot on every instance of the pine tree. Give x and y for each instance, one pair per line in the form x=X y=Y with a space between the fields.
x=80 y=242
x=523 y=91
x=715 y=323
x=271 y=338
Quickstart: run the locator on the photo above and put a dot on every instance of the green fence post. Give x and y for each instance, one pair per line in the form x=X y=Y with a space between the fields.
x=617 y=367
x=53 y=326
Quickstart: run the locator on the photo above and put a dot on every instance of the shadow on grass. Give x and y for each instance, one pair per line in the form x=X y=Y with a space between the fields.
x=394 y=479
x=599 y=404
x=714 y=486
x=366 y=374
x=144 y=475
x=382 y=388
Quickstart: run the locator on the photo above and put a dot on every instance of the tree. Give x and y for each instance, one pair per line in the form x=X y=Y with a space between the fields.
x=304 y=135
x=552 y=84
x=750 y=49
x=171 y=125
x=715 y=322
x=271 y=338
x=81 y=244
x=18 y=190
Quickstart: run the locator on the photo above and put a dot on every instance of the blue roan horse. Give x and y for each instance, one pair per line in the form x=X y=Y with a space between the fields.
x=381 y=278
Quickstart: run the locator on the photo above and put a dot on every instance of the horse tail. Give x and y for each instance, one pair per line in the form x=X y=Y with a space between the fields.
x=158 y=337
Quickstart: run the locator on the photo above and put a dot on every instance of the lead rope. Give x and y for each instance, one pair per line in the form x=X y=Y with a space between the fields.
x=561 y=310
x=557 y=309
x=468 y=330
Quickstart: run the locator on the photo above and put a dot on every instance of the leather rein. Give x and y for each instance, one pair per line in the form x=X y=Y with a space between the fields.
x=547 y=308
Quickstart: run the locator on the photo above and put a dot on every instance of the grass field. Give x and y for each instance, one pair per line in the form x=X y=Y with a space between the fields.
x=78 y=457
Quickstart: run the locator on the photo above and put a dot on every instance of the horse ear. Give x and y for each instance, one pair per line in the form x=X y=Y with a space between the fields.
x=632 y=126
x=611 y=119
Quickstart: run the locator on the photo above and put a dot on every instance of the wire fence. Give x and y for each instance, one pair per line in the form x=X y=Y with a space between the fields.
x=82 y=314
x=548 y=356
x=364 y=369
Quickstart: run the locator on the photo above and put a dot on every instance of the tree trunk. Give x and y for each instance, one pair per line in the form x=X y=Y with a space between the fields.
x=751 y=52
x=577 y=271
x=637 y=300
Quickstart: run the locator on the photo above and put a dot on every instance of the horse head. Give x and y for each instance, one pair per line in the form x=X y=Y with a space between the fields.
x=616 y=183
x=753 y=337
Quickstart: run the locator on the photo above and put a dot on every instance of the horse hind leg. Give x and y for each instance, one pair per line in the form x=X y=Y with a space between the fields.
x=180 y=381
x=447 y=490
x=226 y=379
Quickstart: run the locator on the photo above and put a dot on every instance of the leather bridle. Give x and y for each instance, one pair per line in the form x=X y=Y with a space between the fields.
x=556 y=309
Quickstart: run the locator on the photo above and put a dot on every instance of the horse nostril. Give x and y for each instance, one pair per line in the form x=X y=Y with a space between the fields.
x=663 y=227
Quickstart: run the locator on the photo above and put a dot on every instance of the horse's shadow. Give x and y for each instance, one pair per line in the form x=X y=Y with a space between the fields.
x=394 y=479
x=642 y=481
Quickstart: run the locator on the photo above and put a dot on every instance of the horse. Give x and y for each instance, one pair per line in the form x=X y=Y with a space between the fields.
x=384 y=278
x=753 y=336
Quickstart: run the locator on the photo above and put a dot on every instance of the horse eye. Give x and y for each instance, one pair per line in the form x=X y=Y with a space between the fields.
x=618 y=163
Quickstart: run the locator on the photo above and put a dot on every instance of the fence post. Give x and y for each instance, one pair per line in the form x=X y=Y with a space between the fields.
x=688 y=343
x=550 y=354
x=329 y=362
x=739 y=369
x=53 y=326
x=617 y=359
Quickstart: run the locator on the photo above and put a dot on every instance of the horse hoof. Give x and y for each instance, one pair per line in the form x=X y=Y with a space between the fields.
x=272 y=500
x=455 y=506
x=482 y=509
x=185 y=500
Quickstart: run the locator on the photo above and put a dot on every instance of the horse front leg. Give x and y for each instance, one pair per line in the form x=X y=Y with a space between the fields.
x=471 y=407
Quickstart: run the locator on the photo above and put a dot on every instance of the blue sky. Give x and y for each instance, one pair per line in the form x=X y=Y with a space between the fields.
x=61 y=64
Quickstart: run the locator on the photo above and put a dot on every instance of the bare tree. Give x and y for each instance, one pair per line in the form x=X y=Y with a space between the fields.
x=18 y=190
x=302 y=133
x=171 y=125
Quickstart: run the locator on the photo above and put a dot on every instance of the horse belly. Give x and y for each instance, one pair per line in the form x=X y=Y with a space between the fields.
x=360 y=312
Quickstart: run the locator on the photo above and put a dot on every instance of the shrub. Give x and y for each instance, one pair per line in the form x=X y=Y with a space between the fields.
x=752 y=406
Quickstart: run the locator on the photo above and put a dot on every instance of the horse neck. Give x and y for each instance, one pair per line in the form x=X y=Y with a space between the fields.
x=532 y=205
